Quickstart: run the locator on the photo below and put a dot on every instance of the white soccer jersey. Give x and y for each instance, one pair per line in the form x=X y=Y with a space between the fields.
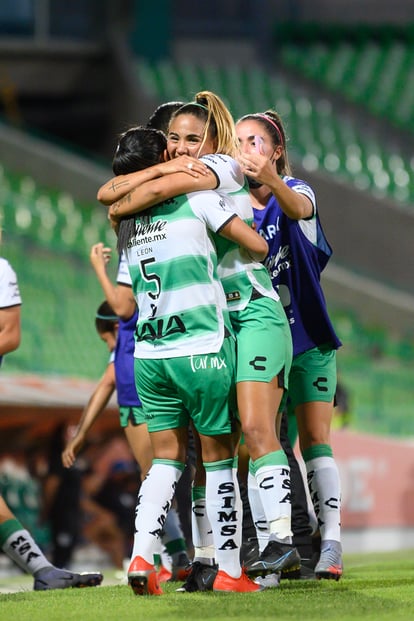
x=238 y=274
x=173 y=266
x=123 y=276
x=9 y=288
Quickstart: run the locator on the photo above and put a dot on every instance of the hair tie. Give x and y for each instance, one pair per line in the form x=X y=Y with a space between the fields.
x=107 y=317
x=193 y=103
x=271 y=121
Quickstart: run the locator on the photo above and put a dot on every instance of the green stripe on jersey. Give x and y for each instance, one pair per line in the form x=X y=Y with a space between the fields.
x=173 y=267
x=186 y=270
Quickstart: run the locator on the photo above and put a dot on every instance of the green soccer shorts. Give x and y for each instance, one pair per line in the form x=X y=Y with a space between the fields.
x=312 y=377
x=264 y=341
x=200 y=388
x=132 y=414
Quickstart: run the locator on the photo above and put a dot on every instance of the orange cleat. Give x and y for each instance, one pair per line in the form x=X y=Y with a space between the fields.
x=164 y=574
x=224 y=583
x=180 y=573
x=142 y=578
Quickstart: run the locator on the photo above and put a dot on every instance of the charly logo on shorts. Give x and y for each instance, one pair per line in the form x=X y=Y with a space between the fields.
x=318 y=384
x=255 y=363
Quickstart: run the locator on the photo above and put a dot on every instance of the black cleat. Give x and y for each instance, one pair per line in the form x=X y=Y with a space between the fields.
x=200 y=578
x=276 y=557
x=54 y=578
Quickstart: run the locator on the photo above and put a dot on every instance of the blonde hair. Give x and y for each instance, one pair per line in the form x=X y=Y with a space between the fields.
x=219 y=123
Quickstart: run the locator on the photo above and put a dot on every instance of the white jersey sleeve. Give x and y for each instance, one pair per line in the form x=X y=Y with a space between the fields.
x=123 y=276
x=9 y=288
x=231 y=184
x=301 y=187
x=211 y=208
x=228 y=172
x=308 y=226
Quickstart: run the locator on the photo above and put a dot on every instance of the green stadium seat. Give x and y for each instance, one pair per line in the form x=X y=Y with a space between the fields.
x=340 y=65
x=372 y=69
x=314 y=131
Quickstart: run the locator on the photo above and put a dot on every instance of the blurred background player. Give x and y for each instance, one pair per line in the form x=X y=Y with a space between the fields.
x=15 y=540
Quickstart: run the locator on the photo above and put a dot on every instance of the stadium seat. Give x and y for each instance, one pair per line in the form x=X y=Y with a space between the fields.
x=373 y=69
x=316 y=135
x=59 y=289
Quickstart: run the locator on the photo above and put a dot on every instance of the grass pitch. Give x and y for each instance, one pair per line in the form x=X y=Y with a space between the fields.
x=375 y=587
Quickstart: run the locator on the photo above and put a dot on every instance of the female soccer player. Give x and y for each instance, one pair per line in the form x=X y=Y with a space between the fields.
x=184 y=364
x=286 y=216
x=117 y=330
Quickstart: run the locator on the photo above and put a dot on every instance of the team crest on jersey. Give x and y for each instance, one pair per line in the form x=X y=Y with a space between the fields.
x=233 y=296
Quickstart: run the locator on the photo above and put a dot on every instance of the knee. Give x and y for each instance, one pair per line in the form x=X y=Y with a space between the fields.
x=217 y=448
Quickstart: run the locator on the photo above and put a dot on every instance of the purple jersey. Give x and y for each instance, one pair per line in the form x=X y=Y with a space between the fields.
x=298 y=253
x=124 y=350
x=124 y=363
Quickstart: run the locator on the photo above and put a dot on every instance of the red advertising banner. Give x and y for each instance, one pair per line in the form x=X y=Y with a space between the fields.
x=377 y=478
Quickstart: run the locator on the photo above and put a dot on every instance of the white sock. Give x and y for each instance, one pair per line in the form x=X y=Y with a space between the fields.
x=158 y=552
x=258 y=515
x=154 y=501
x=273 y=482
x=325 y=491
x=165 y=560
x=202 y=533
x=172 y=527
x=226 y=522
x=173 y=537
x=21 y=548
x=239 y=503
